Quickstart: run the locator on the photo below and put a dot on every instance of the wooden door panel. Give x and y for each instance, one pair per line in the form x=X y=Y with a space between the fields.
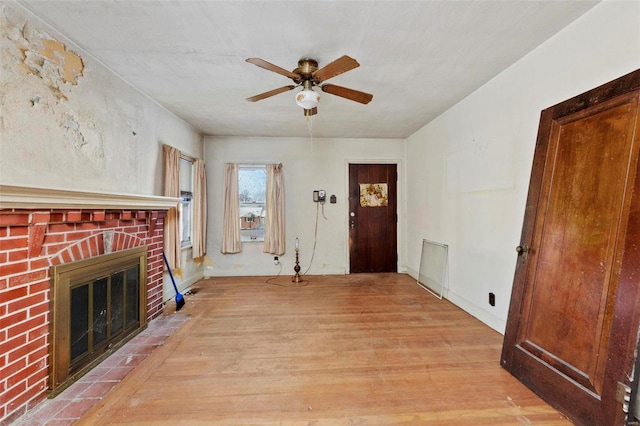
x=372 y=230
x=565 y=338
x=577 y=235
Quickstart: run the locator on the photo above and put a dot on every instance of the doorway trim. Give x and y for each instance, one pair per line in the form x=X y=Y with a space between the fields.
x=401 y=209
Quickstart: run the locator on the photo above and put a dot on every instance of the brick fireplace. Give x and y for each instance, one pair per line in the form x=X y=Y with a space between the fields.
x=41 y=229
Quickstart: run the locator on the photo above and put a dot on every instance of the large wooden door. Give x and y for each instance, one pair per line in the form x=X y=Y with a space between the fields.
x=573 y=319
x=372 y=218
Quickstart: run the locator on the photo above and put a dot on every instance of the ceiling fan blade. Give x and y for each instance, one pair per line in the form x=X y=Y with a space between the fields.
x=270 y=93
x=269 y=66
x=337 y=67
x=309 y=112
x=343 y=92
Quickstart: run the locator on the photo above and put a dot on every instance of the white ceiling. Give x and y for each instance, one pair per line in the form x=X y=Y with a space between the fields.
x=418 y=58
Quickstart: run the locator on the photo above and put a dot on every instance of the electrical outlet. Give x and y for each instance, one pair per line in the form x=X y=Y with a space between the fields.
x=276 y=261
x=492 y=299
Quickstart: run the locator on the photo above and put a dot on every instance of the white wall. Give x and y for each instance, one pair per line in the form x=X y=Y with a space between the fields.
x=97 y=133
x=70 y=123
x=308 y=165
x=468 y=170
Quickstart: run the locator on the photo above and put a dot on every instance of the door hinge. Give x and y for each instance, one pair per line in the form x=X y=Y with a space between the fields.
x=623 y=396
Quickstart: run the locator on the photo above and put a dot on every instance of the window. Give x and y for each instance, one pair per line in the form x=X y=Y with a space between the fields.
x=252 y=190
x=186 y=195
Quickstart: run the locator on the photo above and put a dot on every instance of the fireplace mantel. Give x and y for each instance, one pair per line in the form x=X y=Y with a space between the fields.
x=24 y=197
x=44 y=228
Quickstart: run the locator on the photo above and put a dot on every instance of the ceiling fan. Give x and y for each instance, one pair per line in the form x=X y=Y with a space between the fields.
x=308 y=75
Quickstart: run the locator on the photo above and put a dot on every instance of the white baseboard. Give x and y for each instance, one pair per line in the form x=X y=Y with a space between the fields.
x=498 y=324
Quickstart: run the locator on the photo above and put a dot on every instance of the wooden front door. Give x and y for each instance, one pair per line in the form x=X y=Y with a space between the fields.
x=372 y=218
x=573 y=319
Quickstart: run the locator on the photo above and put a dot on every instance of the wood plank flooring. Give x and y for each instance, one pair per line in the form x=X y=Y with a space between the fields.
x=361 y=349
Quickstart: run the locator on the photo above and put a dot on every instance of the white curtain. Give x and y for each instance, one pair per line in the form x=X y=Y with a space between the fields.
x=231 y=216
x=274 y=235
x=199 y=209
x=171 y=157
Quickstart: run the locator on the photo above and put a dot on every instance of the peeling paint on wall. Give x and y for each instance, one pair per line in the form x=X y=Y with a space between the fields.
x=73 y=127
x=44 y=74
x=70 y=65
x=37 y=53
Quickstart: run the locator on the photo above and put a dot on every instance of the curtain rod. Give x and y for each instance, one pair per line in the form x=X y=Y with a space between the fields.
x=182 y=154
x=187 y=157
x=240 y=163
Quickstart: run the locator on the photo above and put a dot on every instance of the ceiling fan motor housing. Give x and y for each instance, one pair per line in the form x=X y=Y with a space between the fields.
x=306 y=67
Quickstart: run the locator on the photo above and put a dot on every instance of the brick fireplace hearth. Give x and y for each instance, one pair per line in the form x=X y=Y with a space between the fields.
x=44 y=228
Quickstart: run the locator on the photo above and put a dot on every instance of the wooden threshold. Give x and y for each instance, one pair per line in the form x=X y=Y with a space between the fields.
x=361 y=349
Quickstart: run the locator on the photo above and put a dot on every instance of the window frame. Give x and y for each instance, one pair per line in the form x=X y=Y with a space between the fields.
x=186 y=203
x=252 y=234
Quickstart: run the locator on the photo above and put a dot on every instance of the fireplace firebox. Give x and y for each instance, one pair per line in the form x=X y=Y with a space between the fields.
x=98 y=304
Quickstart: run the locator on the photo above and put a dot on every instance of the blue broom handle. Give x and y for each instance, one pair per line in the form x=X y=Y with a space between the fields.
x=170 y=274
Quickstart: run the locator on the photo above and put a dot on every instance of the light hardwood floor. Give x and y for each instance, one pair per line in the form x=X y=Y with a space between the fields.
x=362 y=349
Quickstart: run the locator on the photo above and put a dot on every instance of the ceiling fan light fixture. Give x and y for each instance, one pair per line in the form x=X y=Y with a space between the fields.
x=307 y=99
x=308 y=75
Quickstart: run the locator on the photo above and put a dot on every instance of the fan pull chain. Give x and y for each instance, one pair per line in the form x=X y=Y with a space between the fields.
x=310 y=127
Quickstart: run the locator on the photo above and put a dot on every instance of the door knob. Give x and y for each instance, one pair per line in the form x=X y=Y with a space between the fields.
x=522 y=250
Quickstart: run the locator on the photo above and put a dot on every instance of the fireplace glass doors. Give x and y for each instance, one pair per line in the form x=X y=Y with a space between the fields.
x=109 y=304
x=98 y=304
